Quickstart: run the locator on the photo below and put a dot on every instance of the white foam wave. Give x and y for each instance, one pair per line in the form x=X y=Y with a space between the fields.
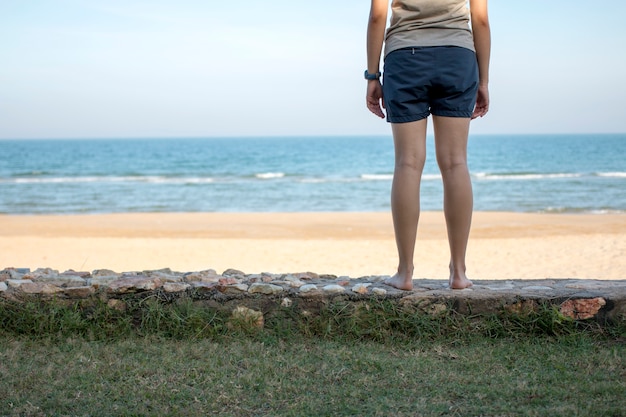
x=389 y=177
x=182 y=180
x=96 y=179
x=377 y=177
x=485 y=176
x=611 y=174
x=270 y=175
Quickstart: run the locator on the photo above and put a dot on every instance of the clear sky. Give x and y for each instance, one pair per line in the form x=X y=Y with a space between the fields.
x=165 y=68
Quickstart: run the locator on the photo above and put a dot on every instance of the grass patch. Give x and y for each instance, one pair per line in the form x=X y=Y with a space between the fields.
x=375 y=320
x=384 y=320
x=244 y=376
x=153 y=358
x=95 y=320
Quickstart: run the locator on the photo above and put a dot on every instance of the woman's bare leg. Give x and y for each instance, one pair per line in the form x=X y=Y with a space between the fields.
x=451 y=134
x=410 y=155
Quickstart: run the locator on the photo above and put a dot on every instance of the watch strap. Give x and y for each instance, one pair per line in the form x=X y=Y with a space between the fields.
x=374 y=76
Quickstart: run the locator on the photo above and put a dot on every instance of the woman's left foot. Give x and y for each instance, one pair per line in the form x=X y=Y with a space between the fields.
x=399 y=282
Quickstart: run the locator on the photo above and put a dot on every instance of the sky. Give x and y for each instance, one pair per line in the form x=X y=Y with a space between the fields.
x=206 y=68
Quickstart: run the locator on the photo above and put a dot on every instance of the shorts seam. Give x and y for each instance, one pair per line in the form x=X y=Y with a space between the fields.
x=452 y=113
x=409 y=118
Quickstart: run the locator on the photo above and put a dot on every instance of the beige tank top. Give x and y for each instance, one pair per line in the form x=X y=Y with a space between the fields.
x=416 y=23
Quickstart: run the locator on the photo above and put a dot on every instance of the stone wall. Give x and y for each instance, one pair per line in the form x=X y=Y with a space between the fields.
x=241 y=293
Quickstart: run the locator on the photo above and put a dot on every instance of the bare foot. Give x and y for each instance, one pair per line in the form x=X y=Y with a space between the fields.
x=460 y=283
x=458 y=279
x=399 y=282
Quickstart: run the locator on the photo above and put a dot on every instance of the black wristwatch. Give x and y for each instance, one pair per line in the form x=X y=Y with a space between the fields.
x=374 y=76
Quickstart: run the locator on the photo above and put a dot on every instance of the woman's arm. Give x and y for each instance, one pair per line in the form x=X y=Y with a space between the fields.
x=376 y=33
x=482 y=44
x=375 y=38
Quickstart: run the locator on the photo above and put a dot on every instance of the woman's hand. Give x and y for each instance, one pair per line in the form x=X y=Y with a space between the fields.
x=482 y=102
x=374 y=98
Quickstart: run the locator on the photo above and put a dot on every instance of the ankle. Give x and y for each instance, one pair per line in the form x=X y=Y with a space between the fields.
x=406 y=273
x=457 y=269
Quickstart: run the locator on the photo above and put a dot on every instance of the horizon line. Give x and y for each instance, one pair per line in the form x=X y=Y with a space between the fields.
x=294 y=136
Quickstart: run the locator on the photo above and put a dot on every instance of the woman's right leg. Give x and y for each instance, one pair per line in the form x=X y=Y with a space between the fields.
x=451 y=134
x=410 y=155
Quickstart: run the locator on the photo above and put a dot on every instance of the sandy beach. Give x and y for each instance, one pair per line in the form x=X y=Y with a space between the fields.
x=502 y=245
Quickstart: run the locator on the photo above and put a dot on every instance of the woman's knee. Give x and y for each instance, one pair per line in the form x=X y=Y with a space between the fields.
x=411 y=162
x=452 y=162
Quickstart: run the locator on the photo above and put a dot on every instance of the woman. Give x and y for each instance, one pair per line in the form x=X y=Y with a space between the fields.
x=435 y=63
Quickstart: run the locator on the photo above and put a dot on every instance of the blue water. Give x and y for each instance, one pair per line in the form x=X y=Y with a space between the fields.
x=537 y=173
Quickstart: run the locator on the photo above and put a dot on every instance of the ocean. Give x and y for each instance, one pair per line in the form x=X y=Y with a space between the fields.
x=520 y=173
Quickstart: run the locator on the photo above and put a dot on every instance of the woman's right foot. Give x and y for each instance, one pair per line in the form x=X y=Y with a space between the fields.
x=460 y=283
x=458 y=279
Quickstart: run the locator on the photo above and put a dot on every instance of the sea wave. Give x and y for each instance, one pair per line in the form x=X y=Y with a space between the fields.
x=263 y=176
x=611 y=174
x=389 y=177
x=313 y=180
x=270 y=175
x=377 y=177
x=580 y=210
x=108 y=179
x=524 y=176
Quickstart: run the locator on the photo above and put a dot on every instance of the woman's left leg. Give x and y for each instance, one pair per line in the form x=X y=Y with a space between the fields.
x=410 y=150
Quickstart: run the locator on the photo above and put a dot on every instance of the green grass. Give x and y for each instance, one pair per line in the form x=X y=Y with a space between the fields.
x=371 y=359
x=375 y=320
x=572 y=376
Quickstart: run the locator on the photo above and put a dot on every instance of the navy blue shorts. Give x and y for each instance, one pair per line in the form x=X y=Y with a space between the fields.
x=442 y=80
